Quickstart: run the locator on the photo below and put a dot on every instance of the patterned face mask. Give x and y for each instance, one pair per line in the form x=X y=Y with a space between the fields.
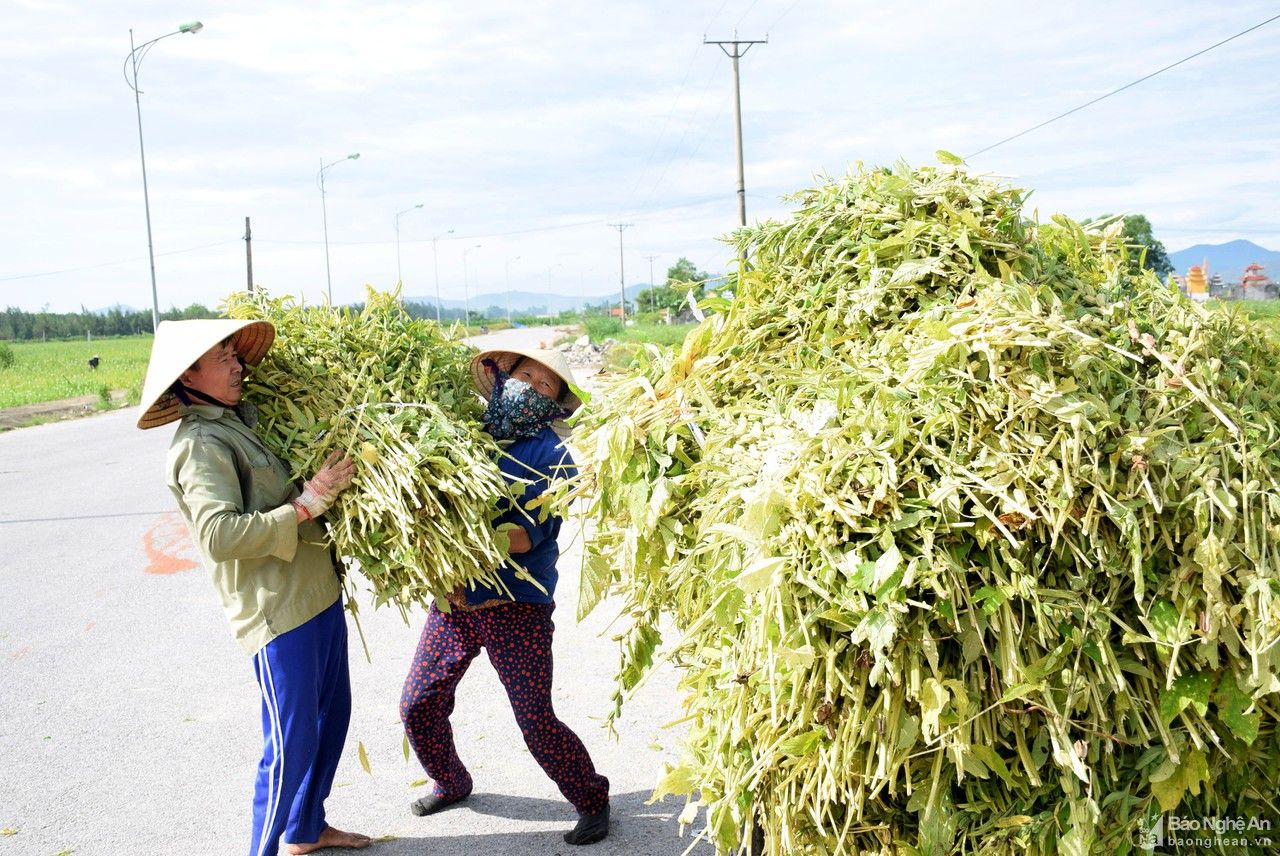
x=516 y=410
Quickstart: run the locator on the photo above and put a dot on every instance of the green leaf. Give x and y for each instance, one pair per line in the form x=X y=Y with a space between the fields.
x=728 y=606
x=760 y=574
x=1082 y=833
x=933 y=699
x=938 y=821
x=802 y=744
x=992 y=760
x=948 y=158
x=1189 y=689
x=797 y=658
x=364 y=757
x=1013 y=820
x=1164 y=620
x=1232 y=704
x=1187 y=776
x=1018 y=691
x=676 y=780
x=886 y=565
x=989 y=599
x=406 y=748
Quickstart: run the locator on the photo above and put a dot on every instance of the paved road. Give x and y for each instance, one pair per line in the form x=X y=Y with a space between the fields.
x=129 y=717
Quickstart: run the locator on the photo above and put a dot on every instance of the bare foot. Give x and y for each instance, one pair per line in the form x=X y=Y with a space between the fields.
x=331 y=837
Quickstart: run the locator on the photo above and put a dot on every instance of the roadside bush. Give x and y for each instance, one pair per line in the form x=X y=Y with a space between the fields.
x=602 y=328
x=7 y=359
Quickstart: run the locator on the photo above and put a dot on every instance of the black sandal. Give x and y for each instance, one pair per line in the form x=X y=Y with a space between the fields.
x=590 y=829
x=433 y=803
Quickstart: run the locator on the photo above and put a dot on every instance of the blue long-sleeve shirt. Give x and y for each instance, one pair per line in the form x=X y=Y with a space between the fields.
x=537 y=459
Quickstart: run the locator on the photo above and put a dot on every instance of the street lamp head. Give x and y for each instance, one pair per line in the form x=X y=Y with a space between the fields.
x=419 y=205
x=190 y=27
x=354 y=156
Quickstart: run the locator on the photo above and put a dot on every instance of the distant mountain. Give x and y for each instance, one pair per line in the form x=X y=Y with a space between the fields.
x=526 y=301
x=1229 y=259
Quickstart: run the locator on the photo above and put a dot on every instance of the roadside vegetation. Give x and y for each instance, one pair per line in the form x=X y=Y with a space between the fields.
x=51 y=371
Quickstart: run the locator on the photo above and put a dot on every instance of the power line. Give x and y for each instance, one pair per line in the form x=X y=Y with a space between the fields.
x=744 y=15
x=1122 y=88
x=532 y=229
x=674 y=104
x=788 y=11
x=113 y=264
x=684 y=134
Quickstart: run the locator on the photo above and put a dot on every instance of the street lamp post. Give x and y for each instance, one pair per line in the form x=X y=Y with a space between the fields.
x=550 y=268
x=466 y=288
x=137 y=53
x=435 y=262
x=324 y=212
x=509 y=261
x=582 y=286
x=400 y=276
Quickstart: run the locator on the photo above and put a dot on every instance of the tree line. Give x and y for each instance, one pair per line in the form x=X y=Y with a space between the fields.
x=19 y=325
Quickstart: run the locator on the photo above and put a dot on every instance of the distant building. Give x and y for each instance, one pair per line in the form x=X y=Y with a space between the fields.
x=1255 y=284
x=1197 y=285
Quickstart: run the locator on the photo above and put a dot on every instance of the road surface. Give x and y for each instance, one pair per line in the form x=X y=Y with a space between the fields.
x=129 y=718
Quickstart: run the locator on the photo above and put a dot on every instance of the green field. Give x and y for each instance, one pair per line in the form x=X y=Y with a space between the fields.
x=1259 y=310
x=49 y=371
x=600 y=329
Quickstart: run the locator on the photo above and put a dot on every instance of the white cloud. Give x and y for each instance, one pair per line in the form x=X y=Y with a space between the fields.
x=502 y=117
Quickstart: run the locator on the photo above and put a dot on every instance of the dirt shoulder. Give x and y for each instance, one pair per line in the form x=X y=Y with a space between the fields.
x=52 y=411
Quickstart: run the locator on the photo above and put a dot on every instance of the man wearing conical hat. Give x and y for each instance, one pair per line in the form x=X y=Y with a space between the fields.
x=271 y=566
x=530 y=393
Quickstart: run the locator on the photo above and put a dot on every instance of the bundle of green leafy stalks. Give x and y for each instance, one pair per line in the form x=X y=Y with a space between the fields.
x=395 y=393
x=969 y=537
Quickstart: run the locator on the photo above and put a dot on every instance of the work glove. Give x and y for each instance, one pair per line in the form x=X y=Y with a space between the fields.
x=320 y=491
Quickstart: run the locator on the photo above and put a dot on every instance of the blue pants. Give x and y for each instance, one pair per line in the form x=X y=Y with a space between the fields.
x=306 y=706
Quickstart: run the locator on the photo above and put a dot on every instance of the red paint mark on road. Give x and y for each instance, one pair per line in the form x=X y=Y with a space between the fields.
x=90 y=626
x=22 y=652
x=168 y=547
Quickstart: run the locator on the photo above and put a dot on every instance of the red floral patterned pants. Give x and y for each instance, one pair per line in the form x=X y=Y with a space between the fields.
x=517 y=637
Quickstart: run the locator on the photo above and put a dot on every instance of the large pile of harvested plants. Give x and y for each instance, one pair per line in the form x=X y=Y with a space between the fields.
x=395 y=393
x=969 y=537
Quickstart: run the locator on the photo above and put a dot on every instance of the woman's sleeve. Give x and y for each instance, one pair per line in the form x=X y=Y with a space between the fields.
x=209 y=488
x=542 y=526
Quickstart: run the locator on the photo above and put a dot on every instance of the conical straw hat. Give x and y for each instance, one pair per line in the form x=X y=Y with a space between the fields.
x=506 y=359
x=178 y=344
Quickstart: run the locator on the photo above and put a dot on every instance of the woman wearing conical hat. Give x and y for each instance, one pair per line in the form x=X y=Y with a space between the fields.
x=530 y=394
x=271 y=566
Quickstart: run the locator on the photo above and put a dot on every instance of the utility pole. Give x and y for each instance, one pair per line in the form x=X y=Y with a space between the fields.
x=508 y=266
x=735 y=55
x=651 y=283
x=248 y=253
x=622 y=274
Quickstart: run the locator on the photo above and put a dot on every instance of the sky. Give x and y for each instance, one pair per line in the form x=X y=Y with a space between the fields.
x=525 y=128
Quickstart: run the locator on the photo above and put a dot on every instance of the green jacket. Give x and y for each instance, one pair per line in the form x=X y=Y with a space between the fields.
x=272 y=573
